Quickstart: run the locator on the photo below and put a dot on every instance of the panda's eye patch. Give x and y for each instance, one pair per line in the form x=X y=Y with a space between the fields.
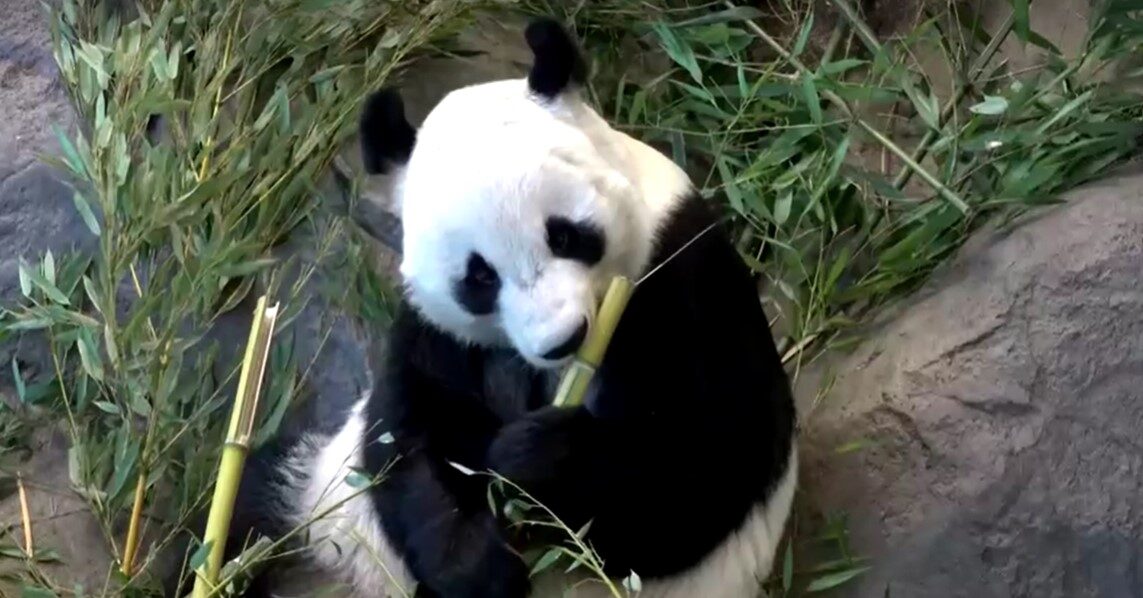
x=574 y=241
x=478 y=289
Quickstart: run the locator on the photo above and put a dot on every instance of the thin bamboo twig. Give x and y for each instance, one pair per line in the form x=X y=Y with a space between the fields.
x=922 y=149
x=859 y=25
x=834 y=41
x=237 y=446
x=25 y=517
x=943 y=190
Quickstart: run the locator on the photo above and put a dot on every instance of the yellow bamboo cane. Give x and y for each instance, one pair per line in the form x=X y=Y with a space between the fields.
x=236 y=447
x=573 y=384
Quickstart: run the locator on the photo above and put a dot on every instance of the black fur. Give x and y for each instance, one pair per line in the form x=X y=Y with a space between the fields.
x=557 y=61
x=387 y=138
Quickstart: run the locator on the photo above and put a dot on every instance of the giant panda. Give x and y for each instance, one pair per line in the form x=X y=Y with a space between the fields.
x=519 y=203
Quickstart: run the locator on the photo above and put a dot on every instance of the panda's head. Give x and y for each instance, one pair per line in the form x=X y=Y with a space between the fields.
x=518 y=203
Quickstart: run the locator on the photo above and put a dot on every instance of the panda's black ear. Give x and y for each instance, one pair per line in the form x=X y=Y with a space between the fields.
x=387 y=138
x=556 y=58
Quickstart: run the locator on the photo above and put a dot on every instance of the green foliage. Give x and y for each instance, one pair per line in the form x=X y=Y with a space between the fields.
x=778 y=129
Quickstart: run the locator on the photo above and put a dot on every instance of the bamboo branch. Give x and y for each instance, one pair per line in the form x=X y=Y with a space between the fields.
x=974 y=72
x=943 y=190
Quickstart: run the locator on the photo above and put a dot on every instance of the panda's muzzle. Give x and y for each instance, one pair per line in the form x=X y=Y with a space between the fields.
x=568 y=346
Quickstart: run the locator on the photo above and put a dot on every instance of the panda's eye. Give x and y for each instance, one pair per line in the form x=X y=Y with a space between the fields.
x=478 y=290
x=576 y=241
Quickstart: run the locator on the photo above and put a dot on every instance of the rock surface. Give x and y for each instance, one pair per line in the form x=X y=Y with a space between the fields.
x=1003 y=409
x=36 y=209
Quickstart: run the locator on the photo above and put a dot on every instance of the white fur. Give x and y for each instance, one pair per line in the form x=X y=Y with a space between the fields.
x=344 y=531
x=491 y=164
x=348 y=537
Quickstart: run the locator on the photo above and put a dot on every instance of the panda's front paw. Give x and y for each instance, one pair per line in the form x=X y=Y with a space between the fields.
x=472 y=562
x=539 y=447
x=552 y=455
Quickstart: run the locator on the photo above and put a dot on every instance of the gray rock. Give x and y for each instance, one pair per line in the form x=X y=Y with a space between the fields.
x=31 y=95
x=1002 y=406
x=37 y=214
x=36 y=209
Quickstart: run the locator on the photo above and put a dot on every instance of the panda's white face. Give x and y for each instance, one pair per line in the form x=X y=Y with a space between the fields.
x=516 y=218
x=518 y=204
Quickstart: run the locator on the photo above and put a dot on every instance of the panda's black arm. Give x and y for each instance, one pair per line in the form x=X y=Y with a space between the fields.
x=452 y=548
x=436 y=517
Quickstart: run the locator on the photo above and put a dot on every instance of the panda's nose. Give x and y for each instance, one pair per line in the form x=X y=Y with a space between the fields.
x=570 y=345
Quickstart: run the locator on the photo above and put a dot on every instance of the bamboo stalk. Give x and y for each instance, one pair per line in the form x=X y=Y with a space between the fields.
x=574 y=383
x=237 y=446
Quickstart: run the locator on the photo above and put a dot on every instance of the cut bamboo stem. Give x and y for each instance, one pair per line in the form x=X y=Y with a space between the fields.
x=574 y=383
x=237 y=446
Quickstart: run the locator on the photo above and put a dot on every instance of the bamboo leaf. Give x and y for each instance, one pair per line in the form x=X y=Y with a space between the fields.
x=71 y=156
x=85 y=213
x=18 y=380
x=25 y=278
x=632 y=583
x=1064 y=111
x=107 y=407
x=833 y=580
x=782 y=207
x=738 y=13
x=678 y=51
x=89 y=354
x=357 y=480
x=1021 y=21
x=38 y=281
x=813 y=102
x=49 y=268
x=803 y=35
x=198 y=559
x=546 y=561
x=991 y=106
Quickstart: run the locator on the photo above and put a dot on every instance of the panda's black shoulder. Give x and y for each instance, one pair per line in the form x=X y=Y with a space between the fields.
x=692 y=223
x=694 y=325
